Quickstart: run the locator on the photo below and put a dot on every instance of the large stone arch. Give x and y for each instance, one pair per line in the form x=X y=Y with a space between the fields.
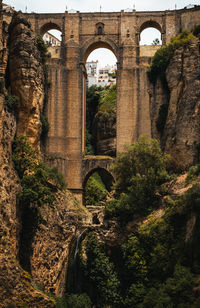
x=98 y=42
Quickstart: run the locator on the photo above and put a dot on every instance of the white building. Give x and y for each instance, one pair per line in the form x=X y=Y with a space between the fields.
x=100 y=76
x=107 y=75
x=51 y=40
x=92 y=73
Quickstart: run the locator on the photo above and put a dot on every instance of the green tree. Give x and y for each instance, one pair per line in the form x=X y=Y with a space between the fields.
x=140 y=171
x=101 y=276
x=95 y=190
x=156 y=42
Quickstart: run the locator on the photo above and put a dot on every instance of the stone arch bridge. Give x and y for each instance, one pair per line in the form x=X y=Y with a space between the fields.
x=81 y=34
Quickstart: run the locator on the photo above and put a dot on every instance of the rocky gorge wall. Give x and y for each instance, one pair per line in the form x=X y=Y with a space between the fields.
x=22 y=74
x=180 y=133
x=26 y=79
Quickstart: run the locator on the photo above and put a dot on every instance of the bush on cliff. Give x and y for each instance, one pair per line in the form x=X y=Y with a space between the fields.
x=38 y=180
x=39 y=183
x=163 y=56
x=140 y=172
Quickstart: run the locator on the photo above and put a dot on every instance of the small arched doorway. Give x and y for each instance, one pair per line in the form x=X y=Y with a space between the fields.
x=96 y=187
x=100 y=99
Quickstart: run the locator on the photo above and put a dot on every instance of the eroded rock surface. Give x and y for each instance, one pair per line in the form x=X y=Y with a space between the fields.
x=59 y=225
x=16 y=286
x=181 y=134
x=26 y=78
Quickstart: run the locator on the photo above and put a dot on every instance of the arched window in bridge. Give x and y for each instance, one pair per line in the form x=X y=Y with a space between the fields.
x=100 y=30
x=150 y=33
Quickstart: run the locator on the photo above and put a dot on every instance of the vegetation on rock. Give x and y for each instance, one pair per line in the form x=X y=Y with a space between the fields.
x=42 y=47
x=11 y=103
x=163 y=56
x=95 y=190
x=100 y=279
x=39 y=184
x=158 y=264
x=140 y=173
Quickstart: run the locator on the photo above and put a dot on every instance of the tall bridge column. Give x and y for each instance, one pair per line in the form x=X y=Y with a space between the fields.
x=74 y=116
x=126 y=98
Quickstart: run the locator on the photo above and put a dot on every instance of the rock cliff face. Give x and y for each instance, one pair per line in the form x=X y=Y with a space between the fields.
x=9 y=183
x=105 y=131
x=59 y=225
x=15 y=284
x=181 y=133
x=26 y=78
x=52 y=240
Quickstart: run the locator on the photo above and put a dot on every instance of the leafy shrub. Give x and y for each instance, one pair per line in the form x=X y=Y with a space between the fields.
x=74 y=301
x=193 y=172
x=78 y=301
x=134 y=260
x=135 y=295
x=102 y=282
x=175 y=292
x=140 y=171
x=42 y=47
x=45 y=127
x=163 y=56
x=11 y=102
x=35 y=176
x=24 y=157
x=95 y=190
x=108 y=99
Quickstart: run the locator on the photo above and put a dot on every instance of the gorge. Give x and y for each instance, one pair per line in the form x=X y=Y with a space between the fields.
x=139 y=245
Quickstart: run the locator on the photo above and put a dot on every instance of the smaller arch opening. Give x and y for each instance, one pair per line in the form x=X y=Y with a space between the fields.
x=150 y=36
x=97 y=186
x=52 y=36
x=150 y=33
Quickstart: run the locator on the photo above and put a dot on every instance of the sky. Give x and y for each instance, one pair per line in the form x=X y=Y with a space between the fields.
x=59 y=6
x=104 y=56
